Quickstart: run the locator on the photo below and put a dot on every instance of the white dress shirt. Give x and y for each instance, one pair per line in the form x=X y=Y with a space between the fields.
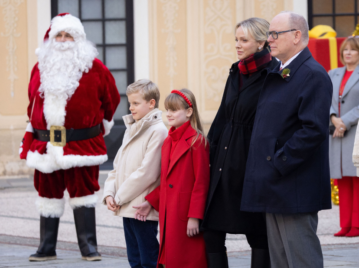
x=282 y=66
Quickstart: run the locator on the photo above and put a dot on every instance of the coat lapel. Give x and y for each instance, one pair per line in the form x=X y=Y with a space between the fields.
x=337 y=80
x=234 y=73
x=353 y=79
x=183 y=145
x=295 y=64
x=166 y=151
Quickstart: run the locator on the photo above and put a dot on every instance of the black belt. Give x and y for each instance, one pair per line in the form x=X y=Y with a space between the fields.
x=59 y=136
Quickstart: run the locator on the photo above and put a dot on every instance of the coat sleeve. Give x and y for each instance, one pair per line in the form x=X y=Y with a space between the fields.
x=218 y=123
x=351 y=118
x=200 y=156
x=332 y=108
x=147 y=174
x=109 y=186
x=110 y=100
x=29 y=131
x=356 y=151
x=314 y=101
x=154 y=198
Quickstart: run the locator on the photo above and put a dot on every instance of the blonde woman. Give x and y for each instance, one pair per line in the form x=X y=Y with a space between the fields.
x=229 y=138
x=344 y=118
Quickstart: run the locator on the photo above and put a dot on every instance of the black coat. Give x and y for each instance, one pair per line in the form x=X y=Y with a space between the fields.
x=288 y=163
x=229 y=138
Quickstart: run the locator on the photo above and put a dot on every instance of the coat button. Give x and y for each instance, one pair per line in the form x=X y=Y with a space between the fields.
x=269 y=158
x=284 y=158
x=220 y=169
x=171 y=186
x=225 y=148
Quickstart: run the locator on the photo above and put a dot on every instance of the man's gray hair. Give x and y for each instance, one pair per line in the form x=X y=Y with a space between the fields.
x=298 y=22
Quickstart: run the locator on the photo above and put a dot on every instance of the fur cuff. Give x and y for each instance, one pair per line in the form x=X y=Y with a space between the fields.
x=107 y=125
x=50 y=207
x=29 y=128
x=84 y=201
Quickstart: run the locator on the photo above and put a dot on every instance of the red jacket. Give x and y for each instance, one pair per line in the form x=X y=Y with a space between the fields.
x=181 y=195
x=94 y=102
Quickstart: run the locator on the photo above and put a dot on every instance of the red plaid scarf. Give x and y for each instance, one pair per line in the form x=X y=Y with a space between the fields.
x=255 y=62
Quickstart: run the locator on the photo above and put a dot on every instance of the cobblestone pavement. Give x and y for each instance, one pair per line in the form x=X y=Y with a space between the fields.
x=19 y=233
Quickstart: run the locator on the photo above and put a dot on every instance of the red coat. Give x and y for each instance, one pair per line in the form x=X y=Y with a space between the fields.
x=181 y=195
x=94 y=102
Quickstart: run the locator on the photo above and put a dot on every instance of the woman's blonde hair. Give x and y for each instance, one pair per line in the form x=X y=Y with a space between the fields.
x=175 y=102
x=256 y=27
x=354 y=44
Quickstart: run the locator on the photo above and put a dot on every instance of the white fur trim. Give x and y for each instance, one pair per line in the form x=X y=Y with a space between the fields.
x=29 y=128
x=54 y=110
x=108 y=126
x=55 y=159
x=69 y=24
x=88 y=201
x=50 y=207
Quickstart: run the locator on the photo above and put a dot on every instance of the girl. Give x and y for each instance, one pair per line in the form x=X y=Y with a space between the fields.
x=181 y=196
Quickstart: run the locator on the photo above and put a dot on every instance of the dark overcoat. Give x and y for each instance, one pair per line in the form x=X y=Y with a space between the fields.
x=229 y=138
x=288 y=162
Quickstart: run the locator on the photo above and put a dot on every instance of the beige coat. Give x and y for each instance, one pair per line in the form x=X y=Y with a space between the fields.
x=137 y=165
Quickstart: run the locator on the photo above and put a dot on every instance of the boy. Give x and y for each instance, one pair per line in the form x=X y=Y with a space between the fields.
x=136 y=172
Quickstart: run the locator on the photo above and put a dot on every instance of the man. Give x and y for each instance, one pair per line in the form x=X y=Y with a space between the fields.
x=73 y=97
x=288 y=168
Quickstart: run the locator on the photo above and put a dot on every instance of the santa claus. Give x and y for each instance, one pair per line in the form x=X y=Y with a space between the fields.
x=73 y=97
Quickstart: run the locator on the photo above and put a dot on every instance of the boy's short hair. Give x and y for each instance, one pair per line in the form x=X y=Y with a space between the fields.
x=147 y=88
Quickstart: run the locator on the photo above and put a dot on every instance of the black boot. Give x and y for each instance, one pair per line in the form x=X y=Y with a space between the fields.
x=260 y=258
x=86 y=233
x=48 y=239
x=217 y=260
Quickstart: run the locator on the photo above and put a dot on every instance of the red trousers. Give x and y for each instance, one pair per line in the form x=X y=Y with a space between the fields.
x=79 y=182
x=349 y=202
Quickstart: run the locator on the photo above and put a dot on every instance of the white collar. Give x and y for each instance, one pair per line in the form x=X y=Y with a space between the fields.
x=282 y=66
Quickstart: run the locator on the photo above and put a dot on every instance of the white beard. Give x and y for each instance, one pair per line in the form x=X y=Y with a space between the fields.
x=61 y=66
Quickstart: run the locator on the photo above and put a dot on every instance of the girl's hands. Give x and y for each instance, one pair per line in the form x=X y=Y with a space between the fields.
x=142 y=211
x=192 y=227
x=111 y=205
x=340 y=127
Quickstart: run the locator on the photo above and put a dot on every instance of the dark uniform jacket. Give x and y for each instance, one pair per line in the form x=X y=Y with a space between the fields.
x=288 y=163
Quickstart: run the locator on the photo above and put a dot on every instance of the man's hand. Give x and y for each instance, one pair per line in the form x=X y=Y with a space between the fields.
x=142 y=211
x=340 y=127
x=111 y=205
x=192 y=227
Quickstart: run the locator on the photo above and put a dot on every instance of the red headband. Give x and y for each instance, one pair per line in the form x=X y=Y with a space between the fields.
x=183 y=96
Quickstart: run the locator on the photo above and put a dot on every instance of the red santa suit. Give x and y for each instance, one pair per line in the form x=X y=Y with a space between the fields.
x=90 y=101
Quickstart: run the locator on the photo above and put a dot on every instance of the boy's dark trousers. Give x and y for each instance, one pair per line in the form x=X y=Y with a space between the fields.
x=141 y=241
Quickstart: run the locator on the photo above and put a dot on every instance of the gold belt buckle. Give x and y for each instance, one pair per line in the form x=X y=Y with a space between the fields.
x=55 y=133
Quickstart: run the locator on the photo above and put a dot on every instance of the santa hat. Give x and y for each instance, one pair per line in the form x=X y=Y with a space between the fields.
x=67 y=23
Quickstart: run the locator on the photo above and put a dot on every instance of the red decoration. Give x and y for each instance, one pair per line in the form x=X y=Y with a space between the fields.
x=321 y=51
x=183 y=96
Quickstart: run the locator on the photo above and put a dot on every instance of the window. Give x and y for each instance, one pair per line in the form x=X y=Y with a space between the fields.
x=341 y=15
x=108 y=24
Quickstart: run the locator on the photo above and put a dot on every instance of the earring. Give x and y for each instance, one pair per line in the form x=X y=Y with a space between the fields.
x=259 y=48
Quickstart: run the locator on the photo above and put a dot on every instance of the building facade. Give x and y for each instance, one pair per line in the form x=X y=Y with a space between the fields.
x=175 y=43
